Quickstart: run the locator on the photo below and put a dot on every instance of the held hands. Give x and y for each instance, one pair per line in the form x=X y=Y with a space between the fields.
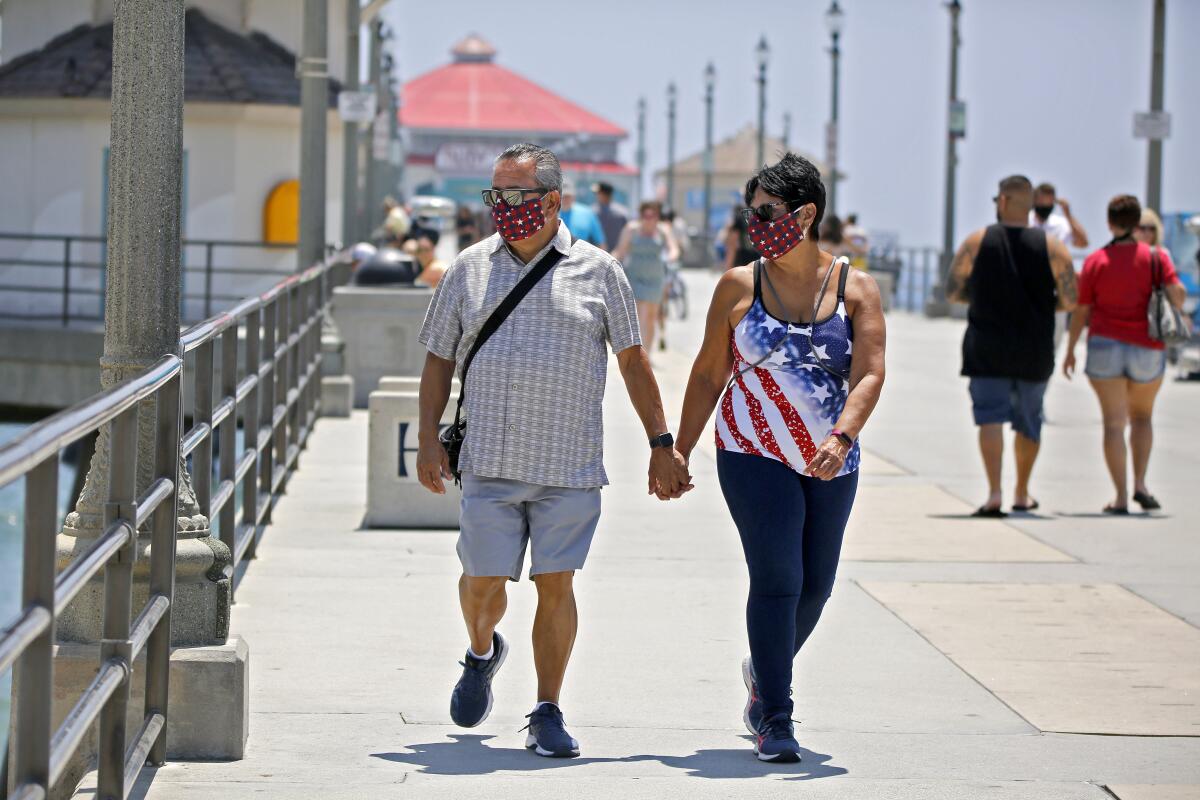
x=828 y=461
x=433 y=466
x=669 y=475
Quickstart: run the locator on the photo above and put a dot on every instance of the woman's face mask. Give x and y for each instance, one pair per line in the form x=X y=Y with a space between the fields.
x=776 y=238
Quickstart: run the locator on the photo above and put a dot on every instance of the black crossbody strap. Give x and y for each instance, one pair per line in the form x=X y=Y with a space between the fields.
x=506 y=307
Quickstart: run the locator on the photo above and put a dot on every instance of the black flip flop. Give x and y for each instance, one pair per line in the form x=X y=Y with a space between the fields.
x=1034 y=506
x=1147 y=501
x=989 y=513
x=1116 y=511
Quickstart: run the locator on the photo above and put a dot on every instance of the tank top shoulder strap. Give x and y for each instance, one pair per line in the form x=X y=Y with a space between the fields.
x=758 y=280
x=841 y=290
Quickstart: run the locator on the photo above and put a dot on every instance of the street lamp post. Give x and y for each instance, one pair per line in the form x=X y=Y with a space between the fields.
x=763 y=54
x=787 y=128
x=350 y=129
x=314 y=104
x=640 y=156
x=834 y=18
x=1154 y=167
x=710 y=80
x=672 y=94
x=939 y=304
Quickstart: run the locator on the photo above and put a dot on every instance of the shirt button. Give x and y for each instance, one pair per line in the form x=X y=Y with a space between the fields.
x=512 y=427
x=514 y=386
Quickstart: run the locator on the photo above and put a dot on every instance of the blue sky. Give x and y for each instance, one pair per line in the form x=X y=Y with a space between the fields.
x=1051 y=87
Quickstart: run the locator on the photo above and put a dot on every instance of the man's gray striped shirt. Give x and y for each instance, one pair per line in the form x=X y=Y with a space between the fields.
x=535 y=388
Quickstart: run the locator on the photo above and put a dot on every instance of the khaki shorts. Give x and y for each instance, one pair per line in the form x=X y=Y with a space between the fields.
x=501 y=518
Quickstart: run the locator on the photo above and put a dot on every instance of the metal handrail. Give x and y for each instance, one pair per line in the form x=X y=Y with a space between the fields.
x=275 y=397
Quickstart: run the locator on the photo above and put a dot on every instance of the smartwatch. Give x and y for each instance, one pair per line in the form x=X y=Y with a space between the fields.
x=662 y=440
x=845 y=437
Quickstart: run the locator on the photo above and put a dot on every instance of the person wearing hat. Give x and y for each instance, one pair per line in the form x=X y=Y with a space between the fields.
x=579 y=219
x=613 y=216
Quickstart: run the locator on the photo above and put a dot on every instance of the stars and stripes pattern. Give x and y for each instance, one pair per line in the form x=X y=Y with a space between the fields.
x=787 y=405
x=515 y=223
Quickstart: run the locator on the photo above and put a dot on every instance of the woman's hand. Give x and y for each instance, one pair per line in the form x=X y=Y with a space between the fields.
x=1069 y=364
x=828 y=461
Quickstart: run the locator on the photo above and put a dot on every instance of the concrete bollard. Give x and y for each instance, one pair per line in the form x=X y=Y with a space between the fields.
x=395 y=498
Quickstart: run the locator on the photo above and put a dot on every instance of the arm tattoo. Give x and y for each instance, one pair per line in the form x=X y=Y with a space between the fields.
x=960 y=271
x=1068 y=284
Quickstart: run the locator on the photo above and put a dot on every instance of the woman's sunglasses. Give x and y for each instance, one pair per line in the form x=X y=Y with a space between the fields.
x=766 y=212
x=510 y=197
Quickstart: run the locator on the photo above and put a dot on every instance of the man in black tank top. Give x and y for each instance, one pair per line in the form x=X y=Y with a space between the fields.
x=1012 y=279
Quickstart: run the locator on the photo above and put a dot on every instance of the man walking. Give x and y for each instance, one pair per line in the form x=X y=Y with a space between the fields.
x=1061 y=226
x=613 y=217
x=532 y=460
x=1013 y=278
x=580 y=220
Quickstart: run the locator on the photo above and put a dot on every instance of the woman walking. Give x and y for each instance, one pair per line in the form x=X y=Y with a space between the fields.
x=1124 y=365
x=793 y=351
x=646 y=246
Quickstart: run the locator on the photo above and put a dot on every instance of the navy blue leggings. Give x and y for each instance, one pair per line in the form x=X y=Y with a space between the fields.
x=791 y=527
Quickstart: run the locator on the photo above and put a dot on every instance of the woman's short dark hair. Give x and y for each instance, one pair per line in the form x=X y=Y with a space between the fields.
x=650 y=205
x=795 y=180
x=1124 y=211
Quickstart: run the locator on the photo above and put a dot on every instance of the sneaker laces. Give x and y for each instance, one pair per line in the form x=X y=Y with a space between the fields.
x=472 y=677
x=777 y=727
x=554 y=716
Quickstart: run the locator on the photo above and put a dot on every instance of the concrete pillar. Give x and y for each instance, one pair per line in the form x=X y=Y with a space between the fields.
x=141 y=324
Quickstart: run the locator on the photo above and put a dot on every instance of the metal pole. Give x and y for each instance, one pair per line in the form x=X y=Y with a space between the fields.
x=835 y=53
x=671 y=145
x=710 y=78
x=314 y=105
x=640 y=155
x=374 y=63
x=938 y=304
x=350 y=194
x=1154 y=167
x=762 y=104
x=787 y=128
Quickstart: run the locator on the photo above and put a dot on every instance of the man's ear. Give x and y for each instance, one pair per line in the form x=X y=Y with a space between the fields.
x=552 y=202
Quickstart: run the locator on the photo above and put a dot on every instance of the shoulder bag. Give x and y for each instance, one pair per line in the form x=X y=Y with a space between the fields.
x=1166 y=322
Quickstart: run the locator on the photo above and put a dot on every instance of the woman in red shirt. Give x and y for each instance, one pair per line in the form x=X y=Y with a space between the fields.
x=1124 y=365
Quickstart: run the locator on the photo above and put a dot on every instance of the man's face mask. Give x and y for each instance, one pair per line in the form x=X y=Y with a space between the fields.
x=518 y=222
x=1043 y=211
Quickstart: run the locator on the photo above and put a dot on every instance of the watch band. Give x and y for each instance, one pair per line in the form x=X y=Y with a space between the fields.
x=845 y=437
x=662 y=440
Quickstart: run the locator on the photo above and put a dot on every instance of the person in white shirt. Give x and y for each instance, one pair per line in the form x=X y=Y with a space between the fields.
x=1063 y=227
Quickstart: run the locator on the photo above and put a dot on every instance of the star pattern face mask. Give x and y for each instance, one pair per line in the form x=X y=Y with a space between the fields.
x=515 y=223
x=775 y=238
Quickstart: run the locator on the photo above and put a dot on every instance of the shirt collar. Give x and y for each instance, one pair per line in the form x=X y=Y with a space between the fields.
x=561 y=242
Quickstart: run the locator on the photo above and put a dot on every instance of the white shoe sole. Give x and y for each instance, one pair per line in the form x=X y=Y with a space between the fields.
x=785 y=758
x=749 y=694
x=491 y=698
x=531 y=744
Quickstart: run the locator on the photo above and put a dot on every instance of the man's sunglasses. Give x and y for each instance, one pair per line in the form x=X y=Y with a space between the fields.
x=510 y=197
x=766 y=212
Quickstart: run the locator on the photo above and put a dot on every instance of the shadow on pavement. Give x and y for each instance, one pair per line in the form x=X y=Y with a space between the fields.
x=468 y=754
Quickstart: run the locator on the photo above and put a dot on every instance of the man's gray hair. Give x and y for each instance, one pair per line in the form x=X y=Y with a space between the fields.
x=547 y=170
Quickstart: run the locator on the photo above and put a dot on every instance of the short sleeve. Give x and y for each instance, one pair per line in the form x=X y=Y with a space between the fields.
x=620 y=310
x=1170 y=275
x=442 y=329
x=1087 y=280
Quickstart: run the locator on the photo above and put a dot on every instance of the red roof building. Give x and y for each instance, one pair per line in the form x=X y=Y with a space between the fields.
x=457 y=118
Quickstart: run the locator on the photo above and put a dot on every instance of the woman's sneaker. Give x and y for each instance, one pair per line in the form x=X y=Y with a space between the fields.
x=471 y=701
x=548 y=734
x=752 y=714
x=776 y=740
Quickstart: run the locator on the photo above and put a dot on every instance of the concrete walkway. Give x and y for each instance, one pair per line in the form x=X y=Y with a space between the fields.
x=1041 y=657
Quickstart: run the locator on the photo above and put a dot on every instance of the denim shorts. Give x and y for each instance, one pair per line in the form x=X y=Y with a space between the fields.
x=1109 y=358
x=501 y=518
x=999 y=400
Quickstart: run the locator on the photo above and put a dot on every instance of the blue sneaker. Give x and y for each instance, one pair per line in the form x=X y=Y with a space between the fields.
x=471 y=701
x=752 y=715
x=776 y=740
x=548 y=734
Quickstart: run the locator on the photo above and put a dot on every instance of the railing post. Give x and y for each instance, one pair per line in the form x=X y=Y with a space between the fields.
x=295 y=353
x=118 y=602
x=66 y=292
x=34 y=672
x=208 y=278
x=267 y=459
x=168 y=426
x=202 y=408
x=279 y=430
x=228 y=440
x=250 y=427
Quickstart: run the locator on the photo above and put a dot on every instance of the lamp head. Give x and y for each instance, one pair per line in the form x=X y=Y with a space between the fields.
x=834 y=19
x=762 y=52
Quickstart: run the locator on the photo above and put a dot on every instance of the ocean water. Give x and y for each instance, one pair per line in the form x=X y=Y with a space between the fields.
x=12 y=520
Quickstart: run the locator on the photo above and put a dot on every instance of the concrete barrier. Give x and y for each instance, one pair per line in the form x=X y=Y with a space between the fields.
x=395 y=498
x=380 y=328
x=395 y=383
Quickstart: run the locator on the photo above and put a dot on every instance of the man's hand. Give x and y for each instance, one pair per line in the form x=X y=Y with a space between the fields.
x=433 y=466
x=669 y=477
x=828 y=461
x=1065 y=206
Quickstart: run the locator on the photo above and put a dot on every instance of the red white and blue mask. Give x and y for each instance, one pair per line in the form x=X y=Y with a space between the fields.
x=775 y=238
x=515 y=223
